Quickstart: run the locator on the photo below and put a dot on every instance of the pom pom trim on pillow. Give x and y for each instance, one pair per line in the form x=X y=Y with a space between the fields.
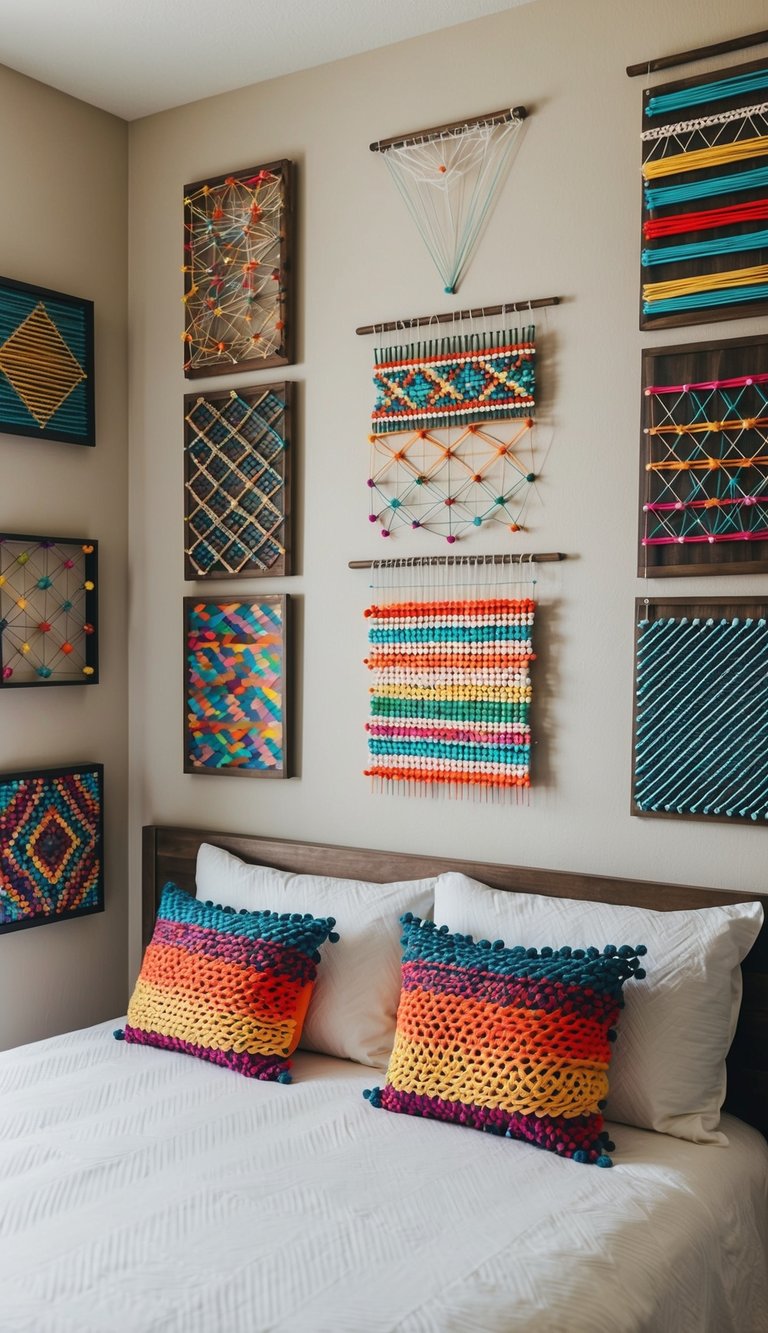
x=228 y=987
x=512 y=1041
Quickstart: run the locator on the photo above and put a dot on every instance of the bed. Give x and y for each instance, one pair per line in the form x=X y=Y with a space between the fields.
x=146 y=1191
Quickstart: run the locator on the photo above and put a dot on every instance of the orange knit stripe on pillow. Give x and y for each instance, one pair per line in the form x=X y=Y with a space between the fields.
x=226 y=986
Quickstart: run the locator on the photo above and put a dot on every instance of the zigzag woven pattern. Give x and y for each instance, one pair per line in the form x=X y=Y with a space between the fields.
x=234 y=685
x=452 y=692
x=228 y=987
x=516 y=1041
x=50 y=852
x=454 y=380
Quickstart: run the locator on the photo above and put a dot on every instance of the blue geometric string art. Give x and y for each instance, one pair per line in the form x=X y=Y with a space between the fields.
x=46 y=364
x=701 y=717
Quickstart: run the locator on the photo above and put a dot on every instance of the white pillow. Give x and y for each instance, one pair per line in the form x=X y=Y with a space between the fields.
x=354 y=1004
x=668 y=1067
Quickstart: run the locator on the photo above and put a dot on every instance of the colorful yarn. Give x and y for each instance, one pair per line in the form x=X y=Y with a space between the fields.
x=705 y=220
x=660 y=195
x=452 y=692
x=228 y=987
x=718 y=155
x=678 y=254
x=513 y=1041
x=46 y=370
x=712 y=91
x=48 y=608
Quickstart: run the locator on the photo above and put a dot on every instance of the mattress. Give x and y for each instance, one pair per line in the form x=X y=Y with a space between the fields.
x=147 y=1192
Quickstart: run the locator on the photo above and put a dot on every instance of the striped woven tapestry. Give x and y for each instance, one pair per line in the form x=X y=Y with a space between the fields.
x=451 y=693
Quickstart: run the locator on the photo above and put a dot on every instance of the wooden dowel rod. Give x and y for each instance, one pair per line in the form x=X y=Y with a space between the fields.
x=421 y=136
x=700 y=53
x=536 y=558
x=479 y=312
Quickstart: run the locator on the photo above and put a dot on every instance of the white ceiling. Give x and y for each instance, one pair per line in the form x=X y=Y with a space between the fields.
x=135 y=57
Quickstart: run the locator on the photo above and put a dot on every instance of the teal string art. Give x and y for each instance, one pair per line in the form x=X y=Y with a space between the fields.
x=701 y=730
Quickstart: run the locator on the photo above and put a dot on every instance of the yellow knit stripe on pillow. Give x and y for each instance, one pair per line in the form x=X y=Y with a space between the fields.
x=158 y=1009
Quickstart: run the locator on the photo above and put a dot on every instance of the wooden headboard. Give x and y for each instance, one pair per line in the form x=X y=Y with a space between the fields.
x=171 y=853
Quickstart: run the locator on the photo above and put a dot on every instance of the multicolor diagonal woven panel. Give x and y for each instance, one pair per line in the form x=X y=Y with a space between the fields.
x=452 y=693
x=50 y=845
x=235 y=686
x=237 y=482
x=46 y=364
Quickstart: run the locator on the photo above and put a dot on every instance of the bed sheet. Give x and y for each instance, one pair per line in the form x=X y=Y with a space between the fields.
x=148 y=1192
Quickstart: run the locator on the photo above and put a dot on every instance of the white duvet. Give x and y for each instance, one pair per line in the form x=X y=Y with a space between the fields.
x=146 y=1192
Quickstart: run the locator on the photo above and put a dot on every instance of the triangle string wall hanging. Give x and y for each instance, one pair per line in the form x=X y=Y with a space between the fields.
x=449 y=178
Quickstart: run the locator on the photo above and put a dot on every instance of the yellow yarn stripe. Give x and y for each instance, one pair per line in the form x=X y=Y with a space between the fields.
x=719 y=156
x=158 y=1009
x=493 y=693
x=740 y=277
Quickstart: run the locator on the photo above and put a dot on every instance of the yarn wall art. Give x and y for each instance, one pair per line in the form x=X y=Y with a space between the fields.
x=236 y=706
x=51 y=845
x=46 y=364
x=48 y=611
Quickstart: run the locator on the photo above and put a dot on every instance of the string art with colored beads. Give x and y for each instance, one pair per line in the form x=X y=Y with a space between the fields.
x=704 y=478
x=48 y=611
x=451 y=695
x=46 y=364
x=513 y=1041
x=236 y=707
x=237 y=482
x=229 y=987
x=50 y=845
x=701 y=709
x=237 y=271
x=452 y=445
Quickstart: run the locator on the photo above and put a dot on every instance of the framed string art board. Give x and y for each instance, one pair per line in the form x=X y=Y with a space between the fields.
x=237 y=482
x=705 y=198
x=236 y=701
x=48 y=611
x=704 y=459
x=701 y=709
x=51 y=845
x=238 y=280
x=46 y=364
x=452 y=445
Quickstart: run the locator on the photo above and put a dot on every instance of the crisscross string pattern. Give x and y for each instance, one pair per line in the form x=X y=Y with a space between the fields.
x=48 y=631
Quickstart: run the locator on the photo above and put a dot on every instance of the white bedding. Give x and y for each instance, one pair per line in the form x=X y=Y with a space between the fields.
x=146 y=1192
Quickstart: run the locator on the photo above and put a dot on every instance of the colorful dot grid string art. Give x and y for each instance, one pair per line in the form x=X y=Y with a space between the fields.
x=48 y=611
x=701 y=709
x=46 y=364
x=451 y=695
x=237 y=482
x=50 y=845
x=237 y=271
x=452 y=445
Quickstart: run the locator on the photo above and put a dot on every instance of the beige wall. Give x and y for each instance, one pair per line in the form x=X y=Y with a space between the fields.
x=567 y=223
x=63 y=168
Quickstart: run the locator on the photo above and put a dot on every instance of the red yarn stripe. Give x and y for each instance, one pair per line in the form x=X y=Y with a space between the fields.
x=706 y=219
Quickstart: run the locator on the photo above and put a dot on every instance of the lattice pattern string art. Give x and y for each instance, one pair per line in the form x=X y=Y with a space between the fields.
x=451 y=695
x=237 y=482
x=48 y=611
x=46 y=364
x=452 y=434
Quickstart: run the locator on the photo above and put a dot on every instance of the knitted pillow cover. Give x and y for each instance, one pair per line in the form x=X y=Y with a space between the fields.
x=229 y=987
x=512 y=1041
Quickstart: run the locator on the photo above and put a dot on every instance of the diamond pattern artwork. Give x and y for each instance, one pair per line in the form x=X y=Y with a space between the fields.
x=237 y=482
x=235 y=710
x=51 y=858
x=48 y=611
x=46 y=364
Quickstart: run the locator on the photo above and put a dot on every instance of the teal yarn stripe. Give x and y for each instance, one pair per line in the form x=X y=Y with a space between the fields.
x=658 y=196
x=674 y=254
x=714 y=91
x=463 y=751
x=448 y=710
x=703 y=300
x=453 y=634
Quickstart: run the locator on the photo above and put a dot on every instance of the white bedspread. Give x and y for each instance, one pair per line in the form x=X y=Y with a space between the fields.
x=142 y=1191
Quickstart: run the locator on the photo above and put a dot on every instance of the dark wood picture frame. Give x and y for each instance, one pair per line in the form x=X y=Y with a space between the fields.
x=88 y=633
x=698 y=363
x=220 y=709
x=279 y=301
x=717 y=608
x=15 y=858
x=721 y=263
x=232 y=483
x=34 y=320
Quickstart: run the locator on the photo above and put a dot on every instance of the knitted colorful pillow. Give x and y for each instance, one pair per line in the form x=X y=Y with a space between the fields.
x=230 y=987
x=512 y=1041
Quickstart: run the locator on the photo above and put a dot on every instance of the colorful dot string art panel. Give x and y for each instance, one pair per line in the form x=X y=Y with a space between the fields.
x=451 y=695
x=452 y=434
x=237 y=482
x=701 y=705
x=46 y=364
x=48 y=611
x=236 y=705
x=51 y=838
x=237 y=271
